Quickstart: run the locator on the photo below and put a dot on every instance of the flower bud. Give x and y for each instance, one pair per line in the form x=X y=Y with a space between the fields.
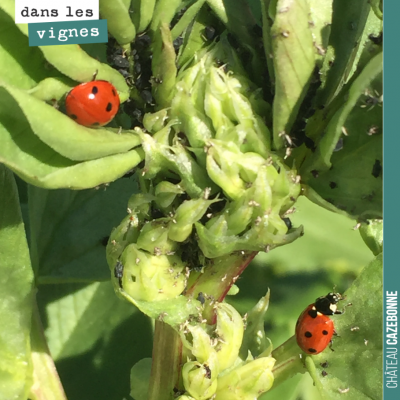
x=189 y=212
x=200 y=376
x=230 y=334
x=126 y=232
x=153 y=237
x=154 y=122
x=254 y=339
x=166 y=193
x=139 y=204
x=152 y=278
x=247 y=381
x=197 y=379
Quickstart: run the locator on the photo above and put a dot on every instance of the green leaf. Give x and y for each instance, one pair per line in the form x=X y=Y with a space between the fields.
x=20 y=65
x=16 y=283
x=38 y=164
x=320 y=25
x=61 y=133
x=355 y=188
x=356 y=362
x=294 y=62
x=118 y=19
x=95 y=338
x=348 y=22
x=164 y=66
x=69 y=230
x=142 y=13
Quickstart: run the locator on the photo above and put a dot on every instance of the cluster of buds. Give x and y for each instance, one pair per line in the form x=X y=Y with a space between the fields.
x=209 y=179
x=214 y=368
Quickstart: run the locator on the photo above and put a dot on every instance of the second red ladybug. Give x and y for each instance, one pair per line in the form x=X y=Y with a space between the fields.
x=92 y=103
x=314 y=328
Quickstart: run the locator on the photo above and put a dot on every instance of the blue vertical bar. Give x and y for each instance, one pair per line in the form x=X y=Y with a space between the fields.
x=391 y=176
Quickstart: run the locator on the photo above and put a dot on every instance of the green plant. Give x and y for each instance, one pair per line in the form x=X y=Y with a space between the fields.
x=234 y=129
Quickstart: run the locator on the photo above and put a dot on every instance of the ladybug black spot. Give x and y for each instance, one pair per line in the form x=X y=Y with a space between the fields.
x=113 y=92
x=109 y=107
x=313 y=313
x=73 y=116
x=311 y=350
x=95 y=90
x=324 y=332
x=308 y=334
x=332 y=185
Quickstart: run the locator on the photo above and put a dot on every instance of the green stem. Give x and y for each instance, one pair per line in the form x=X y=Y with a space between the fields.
x=289 y=361
x=217 y=279
x=46 y=382
x=165 y=370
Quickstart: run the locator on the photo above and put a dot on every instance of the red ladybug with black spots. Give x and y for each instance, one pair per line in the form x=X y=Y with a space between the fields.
x=314 y=328
x=92 y=103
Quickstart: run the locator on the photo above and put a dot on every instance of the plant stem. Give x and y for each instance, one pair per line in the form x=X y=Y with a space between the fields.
x=46 y=382
x=288 y=361
x=217 y=279
x=165 y=370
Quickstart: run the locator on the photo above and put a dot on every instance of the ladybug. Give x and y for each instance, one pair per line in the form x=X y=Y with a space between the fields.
x=92 y=103
x=314 y=329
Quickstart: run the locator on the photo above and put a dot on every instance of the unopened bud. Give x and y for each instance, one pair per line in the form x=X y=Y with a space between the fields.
x=247 y=381
x=230 y=334
x=152 y=278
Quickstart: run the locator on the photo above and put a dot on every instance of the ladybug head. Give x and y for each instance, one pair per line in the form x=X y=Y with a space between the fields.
x=327 y=305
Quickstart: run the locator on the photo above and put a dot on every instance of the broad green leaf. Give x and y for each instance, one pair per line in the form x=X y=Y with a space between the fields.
x=70 y=229
x=355 y=188
x=356 y=362
x=20 y=65
x=75 y=63
x=348 y=22
x=16 y=284
x=38 y=164
x=320 y=25
x=61 y=133
x=95 y=338
x=294 y=61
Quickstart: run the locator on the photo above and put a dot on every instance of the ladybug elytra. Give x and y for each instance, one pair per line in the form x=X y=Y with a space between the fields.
x=92 y=103
x=314 y=328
